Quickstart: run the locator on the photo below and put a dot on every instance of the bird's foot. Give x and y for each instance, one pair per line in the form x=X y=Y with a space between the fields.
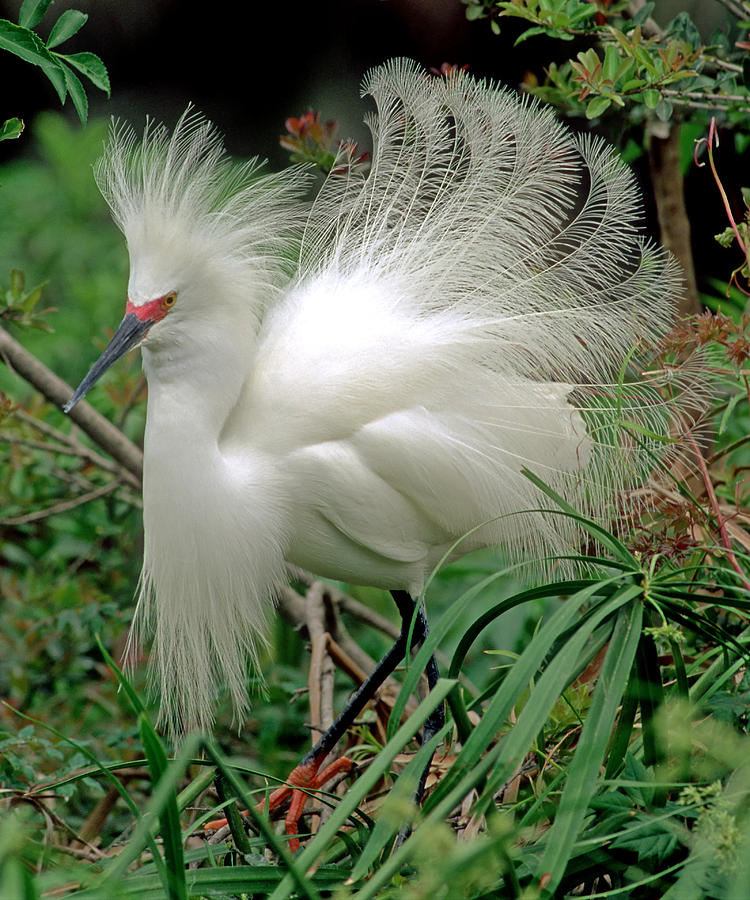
x=306 y=777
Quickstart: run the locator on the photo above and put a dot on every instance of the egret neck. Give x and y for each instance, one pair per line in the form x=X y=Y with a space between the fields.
x=204 y=502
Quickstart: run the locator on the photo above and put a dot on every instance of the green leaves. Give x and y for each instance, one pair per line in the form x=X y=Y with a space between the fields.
x=560 y=19
x=32 y=12
x=92 y=67
x=11 y=129
x=630 y=60
x=29 y=47
x=69 y=23
x=20 y=40
x=20 y=305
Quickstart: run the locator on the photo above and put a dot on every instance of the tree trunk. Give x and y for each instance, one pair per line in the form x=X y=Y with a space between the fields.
x=667 y=183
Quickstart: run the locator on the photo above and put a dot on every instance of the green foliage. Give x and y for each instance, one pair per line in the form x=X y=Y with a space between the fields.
x=55 y=220
x=60 y=68
x=568 y=827
x=630 y=61
x=608 y=756
x=11 y=129
x=309 y=140
x=20 y=304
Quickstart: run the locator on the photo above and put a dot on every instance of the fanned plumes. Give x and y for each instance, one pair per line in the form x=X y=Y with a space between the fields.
x=487 y=206
x=463 y=312
x=504 y=244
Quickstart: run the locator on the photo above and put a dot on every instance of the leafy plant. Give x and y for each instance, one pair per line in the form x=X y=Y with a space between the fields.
x=62 y=69
x=630 y=60
x=606 y=753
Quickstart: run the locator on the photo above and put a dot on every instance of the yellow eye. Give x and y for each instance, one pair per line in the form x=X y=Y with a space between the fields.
x=170 y=299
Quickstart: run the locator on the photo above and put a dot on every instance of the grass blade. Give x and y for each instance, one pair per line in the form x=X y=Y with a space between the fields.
x=584 y=769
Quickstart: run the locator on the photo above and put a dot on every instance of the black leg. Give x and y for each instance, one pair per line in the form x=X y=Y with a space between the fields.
x=359 y=698
x=436 y=719
x=405 y=606
x=307 y=775
x=384 y=668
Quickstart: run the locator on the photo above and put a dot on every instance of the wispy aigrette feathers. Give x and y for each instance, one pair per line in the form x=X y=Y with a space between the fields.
x=353 y=387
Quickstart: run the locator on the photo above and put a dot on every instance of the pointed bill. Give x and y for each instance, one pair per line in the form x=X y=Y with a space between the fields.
x=130 y=333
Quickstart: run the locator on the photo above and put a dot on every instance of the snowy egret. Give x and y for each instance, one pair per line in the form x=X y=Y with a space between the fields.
x=353 y=386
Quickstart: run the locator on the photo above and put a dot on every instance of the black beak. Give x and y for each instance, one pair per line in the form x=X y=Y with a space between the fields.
x=130 y=333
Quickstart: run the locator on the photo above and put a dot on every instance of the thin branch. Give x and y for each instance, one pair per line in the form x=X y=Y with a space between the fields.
x=696 y=104
x=76 y=447
x=320 y=678
x=722 y=63
x=720 y=522
x=99 y=429
x=94 y=823
x=710 y=141
x=349 y=604
x=74 y=478
x=729 y=448
x=650 y=28
x=31 y=444
x=706 y=95
x=349 y=646
x=740 y=10
x=62 y=506
x=79 y=451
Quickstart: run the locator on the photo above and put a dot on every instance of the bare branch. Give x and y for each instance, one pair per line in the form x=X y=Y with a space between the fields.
x=736 y=9
x=722 y=63
x=99 y=429
x=76 y=447
x=704 y=95
x=676 y=98
x=650 y=28
x=320 y=677
x=62 y=506
x=47 y=446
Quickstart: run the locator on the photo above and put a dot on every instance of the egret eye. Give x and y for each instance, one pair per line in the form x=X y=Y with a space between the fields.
x=170 y=299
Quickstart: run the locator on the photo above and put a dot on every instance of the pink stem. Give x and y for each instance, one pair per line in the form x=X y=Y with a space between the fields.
x=717 y=512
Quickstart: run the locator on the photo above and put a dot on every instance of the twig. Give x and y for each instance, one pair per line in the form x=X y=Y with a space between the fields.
x=62 y=506
x=315 y=613
x=47 y=446
x=695 y=104
x=99 y=429
x=726 y=543
x=705 y=95
x=94 y=823
x=75 y=446
x=713 y=138
x=354 y=608
x=349 y=646
x=348 y=603
x=345 y=662
x=741 y=10
x=389 y=687
x=76 y=479
x=722 y=63
x=649 y=27
x=729 y=448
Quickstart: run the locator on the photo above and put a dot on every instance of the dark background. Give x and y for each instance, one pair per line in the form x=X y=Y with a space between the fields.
x=249 y=66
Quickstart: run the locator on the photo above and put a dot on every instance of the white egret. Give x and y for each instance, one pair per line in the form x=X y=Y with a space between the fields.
x=352 y=387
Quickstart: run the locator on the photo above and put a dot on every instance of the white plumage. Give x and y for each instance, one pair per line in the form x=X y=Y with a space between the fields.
x=354 y=387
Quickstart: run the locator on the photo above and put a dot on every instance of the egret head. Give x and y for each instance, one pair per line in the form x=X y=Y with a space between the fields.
x=133 y=329
x=209 y=239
